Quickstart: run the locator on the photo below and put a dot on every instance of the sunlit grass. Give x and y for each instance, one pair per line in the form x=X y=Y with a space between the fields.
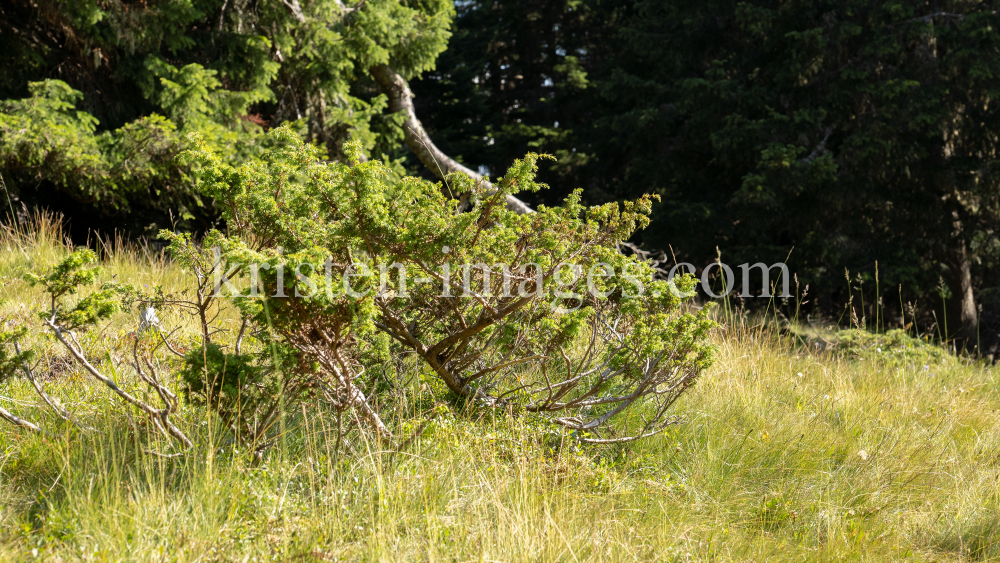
x=787 y=453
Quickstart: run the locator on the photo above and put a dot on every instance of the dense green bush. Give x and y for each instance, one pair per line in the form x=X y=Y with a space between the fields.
x=580 y=348
x=343 y=266
x=96 y=97
x=233 y=385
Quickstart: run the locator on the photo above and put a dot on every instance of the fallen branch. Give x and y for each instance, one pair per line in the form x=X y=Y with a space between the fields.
x=52 y=403
x=9 y=417
x=158 y=416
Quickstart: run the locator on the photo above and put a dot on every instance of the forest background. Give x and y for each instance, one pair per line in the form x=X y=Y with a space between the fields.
x=853 y=140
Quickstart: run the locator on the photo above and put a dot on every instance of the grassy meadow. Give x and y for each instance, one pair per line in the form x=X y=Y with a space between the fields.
x=879 y=450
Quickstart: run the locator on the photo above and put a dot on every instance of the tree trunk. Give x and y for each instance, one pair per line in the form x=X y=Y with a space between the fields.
x=401 y=99
x=967 y=303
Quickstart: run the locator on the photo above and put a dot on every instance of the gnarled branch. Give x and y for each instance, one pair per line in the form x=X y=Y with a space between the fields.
x=401 y=99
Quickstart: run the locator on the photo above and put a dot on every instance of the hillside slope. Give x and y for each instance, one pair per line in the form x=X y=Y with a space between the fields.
x=787 y=452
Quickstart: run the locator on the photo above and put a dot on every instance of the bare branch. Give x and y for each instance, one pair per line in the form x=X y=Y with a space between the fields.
x=9 y=417
x=160 y=416
x=401 y=99
x=296 y=10
x=61 y=412
x=930 y=17
x=820 y=148
x=239 y=339
x=222 y=14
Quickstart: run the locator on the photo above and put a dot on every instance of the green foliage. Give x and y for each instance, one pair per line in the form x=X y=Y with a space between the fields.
x=65 y=279
x=10 y=361
x=248 y=391
x=134 y=80
x=48 y=127
x=211 y=375
x=192 y=95
x=68 y=275
x=231 y=384
x=46 y=137
x=291 y=209
x=895 y=347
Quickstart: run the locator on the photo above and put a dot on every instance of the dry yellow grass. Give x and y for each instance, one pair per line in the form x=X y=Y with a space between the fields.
x=787 y=454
